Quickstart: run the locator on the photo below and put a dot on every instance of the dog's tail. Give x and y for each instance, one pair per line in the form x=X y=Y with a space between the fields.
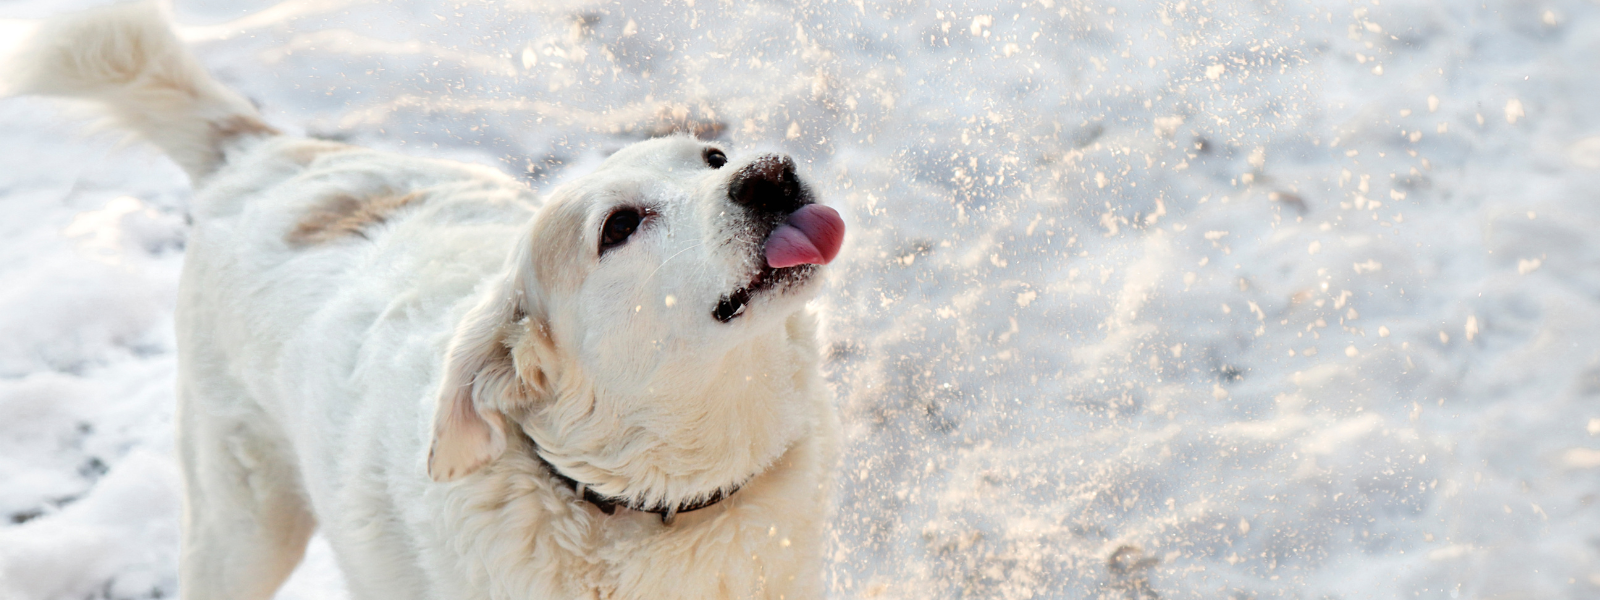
x=126 y=59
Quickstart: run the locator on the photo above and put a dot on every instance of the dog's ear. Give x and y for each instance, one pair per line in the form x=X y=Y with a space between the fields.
x=480 y=378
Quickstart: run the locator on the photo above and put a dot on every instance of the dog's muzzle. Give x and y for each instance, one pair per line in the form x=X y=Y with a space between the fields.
x=797 y=233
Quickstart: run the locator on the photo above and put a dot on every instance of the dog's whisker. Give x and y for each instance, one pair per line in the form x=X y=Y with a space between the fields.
x=669 y=259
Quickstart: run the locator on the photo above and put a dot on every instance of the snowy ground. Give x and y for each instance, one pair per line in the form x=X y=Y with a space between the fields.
x=1196 y=299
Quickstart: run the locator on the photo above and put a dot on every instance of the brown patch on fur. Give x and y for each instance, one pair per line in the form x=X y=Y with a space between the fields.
x=308 y=150
x=345 y=215
x=238 y=125
x=227 y=129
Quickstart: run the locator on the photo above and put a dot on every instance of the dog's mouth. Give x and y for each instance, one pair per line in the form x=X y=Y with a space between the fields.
x=767 y=280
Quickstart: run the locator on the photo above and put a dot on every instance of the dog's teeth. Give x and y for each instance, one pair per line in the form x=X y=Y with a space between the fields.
x=731 y=305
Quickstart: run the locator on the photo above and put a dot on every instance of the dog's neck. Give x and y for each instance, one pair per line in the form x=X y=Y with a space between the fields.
x=678 y=446
x=609 y=505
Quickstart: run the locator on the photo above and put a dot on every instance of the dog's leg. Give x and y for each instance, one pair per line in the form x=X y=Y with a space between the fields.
x=246 y=520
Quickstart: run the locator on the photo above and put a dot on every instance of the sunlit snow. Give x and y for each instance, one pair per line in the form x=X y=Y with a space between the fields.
x=1193 y=299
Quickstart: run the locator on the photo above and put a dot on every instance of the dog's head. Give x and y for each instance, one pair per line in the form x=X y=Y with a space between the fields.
x=643 y=333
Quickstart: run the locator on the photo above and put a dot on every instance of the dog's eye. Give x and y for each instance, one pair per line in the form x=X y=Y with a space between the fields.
x=618 y=227
x=715 y=158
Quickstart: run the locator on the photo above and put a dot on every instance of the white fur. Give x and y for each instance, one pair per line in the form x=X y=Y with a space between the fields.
x=478 y=322
x=126 y=57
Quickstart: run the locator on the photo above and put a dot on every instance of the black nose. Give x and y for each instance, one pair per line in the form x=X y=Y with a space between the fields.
x=768 y=186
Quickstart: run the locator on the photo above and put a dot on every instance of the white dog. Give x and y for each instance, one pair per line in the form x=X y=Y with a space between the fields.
x=609 y=394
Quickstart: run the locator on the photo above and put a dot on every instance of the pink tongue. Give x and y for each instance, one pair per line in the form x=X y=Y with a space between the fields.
x=811 y=236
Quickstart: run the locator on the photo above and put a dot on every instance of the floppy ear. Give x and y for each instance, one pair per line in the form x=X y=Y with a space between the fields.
x=480 y=377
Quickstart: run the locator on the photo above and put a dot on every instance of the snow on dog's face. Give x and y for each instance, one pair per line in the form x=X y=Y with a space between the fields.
x=643 y=336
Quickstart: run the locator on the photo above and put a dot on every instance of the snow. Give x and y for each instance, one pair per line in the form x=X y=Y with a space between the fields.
x=1197 y=299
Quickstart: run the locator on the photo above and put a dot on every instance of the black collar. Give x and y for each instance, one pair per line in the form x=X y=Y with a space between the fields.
x=608 y=505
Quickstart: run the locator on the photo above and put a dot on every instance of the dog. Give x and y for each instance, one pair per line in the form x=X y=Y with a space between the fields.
x=612 y=392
